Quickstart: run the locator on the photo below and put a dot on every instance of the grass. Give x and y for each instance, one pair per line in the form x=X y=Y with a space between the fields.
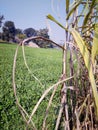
x=46 y=65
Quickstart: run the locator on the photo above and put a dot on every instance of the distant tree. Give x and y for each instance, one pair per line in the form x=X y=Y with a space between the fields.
x=19 y=35
x=0 y=35
x=1 y=19
x=30 y=32
x=9 y=31
x=43 y=33
x=42 y=43
x=19 y=31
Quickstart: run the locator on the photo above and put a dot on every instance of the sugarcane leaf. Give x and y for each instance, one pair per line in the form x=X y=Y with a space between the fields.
x=67 y=5
x=82 y=46
x=88 y=14
x=49 y=16
x=95 y=44
x=73 y=9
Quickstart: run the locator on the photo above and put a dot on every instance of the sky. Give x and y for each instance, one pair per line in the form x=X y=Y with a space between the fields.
x=32 y=14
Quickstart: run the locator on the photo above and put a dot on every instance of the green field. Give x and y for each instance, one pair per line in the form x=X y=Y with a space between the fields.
x=46 y=65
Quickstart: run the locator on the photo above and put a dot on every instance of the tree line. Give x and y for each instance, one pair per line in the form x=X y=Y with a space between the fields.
x=12 y=34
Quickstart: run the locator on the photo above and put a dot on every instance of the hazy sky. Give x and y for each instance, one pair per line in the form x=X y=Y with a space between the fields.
x=32 y=13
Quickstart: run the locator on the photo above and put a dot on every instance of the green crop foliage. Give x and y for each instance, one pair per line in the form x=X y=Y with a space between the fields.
x=46 y=65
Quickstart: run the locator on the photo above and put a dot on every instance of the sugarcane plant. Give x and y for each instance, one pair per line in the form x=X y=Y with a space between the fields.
x=80 y=104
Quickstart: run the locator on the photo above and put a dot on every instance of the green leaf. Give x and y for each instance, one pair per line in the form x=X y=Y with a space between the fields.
x=67 y=5
x=49 y=16
x=95 y=44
